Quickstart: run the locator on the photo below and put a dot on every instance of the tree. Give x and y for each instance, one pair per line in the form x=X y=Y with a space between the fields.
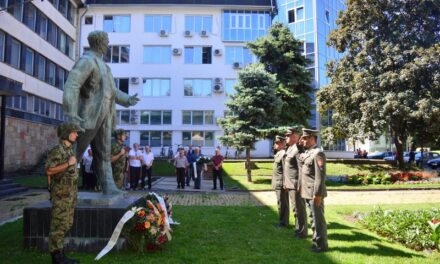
x=389 y=76
x=252 y=107
x=282 y=54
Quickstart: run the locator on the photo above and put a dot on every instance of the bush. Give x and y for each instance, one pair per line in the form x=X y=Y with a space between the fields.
x=397 y=177
x=410 y=228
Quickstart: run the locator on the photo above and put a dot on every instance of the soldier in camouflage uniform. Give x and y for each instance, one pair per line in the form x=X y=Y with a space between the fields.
x=119 y=157
x=62 y=173
x=291 y=177
x=277 y=183
x=312 y=187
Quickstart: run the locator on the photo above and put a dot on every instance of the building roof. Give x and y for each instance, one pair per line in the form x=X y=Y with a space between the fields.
x=267 y=3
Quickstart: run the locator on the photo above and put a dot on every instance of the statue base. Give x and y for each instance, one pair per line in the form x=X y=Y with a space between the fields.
x=96 y=216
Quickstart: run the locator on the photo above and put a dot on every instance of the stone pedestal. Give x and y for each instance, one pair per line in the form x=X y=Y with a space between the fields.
x=96 y=216
x=208 y=175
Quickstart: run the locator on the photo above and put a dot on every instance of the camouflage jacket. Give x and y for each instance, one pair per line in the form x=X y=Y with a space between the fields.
x=65 y=183
x=119 y=164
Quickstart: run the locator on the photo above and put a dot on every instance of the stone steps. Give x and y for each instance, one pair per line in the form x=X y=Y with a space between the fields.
x=8 y=187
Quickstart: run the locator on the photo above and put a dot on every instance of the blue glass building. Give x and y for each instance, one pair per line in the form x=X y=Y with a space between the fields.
x=311 y=21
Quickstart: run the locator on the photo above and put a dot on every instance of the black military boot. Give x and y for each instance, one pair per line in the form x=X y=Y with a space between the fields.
x=69 y=260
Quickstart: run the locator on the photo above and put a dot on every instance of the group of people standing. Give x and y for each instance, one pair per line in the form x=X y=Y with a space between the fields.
x=299 y=177
x=132 y=167
x=188 y=166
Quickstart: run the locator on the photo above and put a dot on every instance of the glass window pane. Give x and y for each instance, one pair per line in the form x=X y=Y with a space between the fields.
x=148 y=24
x=41 y=25
x=144 y=138
x=209 y=138
x=186 y=117
x=125 y=54
x=197 y=55
x=188 y=88
x=125 y=117
x=207 y=23
x=155 y=140
x=15 y=7
x=29 y=15
x=27 y=60
x=197 y=138
x=186 y=138
x=40 y=67
x=147 y=88
x=121 y=23
x=166 y=55
x=166 y=23
x=166 y=117
x=189 y=23
x=115 y=54
x=197 y=117
x=50 y=73
x=165 y=87
x=156 y=87
x=189 y=55
x=167 y=136
x=197 y=23
x=2 y=45
x=156 y=117
x=209 y=117
x=108 y=24
x=145 y=117
x=52 y=33
x=12 y=52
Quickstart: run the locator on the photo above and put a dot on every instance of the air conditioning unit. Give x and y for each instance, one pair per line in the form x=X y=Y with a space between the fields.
x=188 y=33
x=134 y=117
x=134 y=80
x=177 y=52
x=163 y=33
x=217 y=80
x=237 y=65
x=217 y=52
x=204 y=33
x=217 y=88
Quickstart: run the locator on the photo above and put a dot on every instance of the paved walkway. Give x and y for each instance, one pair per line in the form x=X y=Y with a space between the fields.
x=11 y=207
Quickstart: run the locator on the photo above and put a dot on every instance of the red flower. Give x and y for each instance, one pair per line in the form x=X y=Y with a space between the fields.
x=435 y=221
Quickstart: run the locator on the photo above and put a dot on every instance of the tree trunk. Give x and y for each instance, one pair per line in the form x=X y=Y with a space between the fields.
x=248 y=163
x=398 y=142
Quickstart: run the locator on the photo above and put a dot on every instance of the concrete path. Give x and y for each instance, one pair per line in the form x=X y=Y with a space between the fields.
x=11 y=207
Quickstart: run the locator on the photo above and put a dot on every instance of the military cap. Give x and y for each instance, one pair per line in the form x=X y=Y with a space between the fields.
x=64 y=130
x=293 y=130
x=279 y=139
x=118 y=132
x=309 y=132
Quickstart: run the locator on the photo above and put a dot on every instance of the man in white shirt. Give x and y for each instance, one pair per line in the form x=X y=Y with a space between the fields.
x=147 y=166
x=135 y=158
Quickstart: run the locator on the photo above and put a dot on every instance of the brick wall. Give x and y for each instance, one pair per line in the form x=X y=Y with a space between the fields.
x=26 y=142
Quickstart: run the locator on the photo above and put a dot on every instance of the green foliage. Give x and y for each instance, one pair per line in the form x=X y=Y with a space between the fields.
x=407 y=227
x=389 y=76
x=281 y=54
x=253 y=107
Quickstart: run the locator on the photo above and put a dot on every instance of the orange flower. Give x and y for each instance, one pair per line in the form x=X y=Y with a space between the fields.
x=141 y=213
x=147 y=225
x=159 y=207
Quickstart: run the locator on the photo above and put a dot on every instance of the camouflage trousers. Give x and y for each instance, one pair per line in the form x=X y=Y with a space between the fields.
x=61 y=220
x=118 y=177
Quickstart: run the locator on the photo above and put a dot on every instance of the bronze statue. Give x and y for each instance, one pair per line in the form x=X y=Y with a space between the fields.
x=89 y=101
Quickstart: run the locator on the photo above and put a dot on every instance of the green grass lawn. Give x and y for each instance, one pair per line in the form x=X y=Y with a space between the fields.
x=243 y=235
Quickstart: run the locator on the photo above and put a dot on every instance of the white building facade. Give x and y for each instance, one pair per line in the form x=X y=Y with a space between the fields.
x=182 y=61
x=37 y=50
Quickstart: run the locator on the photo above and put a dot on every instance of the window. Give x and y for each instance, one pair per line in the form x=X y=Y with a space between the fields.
x=156 y=138
x=15 y=8
x=40 y=67
x=29 y=15
x=300 y=13
x=88 y=20
x=156 y=87
x=59 y=82
x=238 y=54
x=62 y=42
x=245 y=25
x=113 y=23
x=156 y=23
x=198 y=117
x=157 y=54
x=198 y=138
x=117 y=54
x=50 y=72
x=198 y=55
x=12 y=52
x=198 y=23
x=41 y=25
x=27 y=60
x=122 y=84
x=2 y=45
x=229 y=86
x=147 y=117
x=197 y=87
x=291 y=16
x=52 y=33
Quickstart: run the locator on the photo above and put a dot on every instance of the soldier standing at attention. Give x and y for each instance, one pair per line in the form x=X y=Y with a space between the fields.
x=277 y=182
x=62 y=173
x=119 y=158
x=312 y=187
x=290 y=183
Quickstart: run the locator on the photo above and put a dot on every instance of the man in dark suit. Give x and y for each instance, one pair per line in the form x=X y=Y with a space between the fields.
x=89 y=101
x=312 y=187
x=290 y=183
x=277 y=182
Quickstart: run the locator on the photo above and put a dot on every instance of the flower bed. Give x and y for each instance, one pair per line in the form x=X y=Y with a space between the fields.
x=149 y=229
x=410 y=228
x=397 y=177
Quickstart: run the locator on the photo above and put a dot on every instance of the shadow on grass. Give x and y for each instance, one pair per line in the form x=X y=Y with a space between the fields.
x=380 y=250
x=262 y=181
x=373 y=168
